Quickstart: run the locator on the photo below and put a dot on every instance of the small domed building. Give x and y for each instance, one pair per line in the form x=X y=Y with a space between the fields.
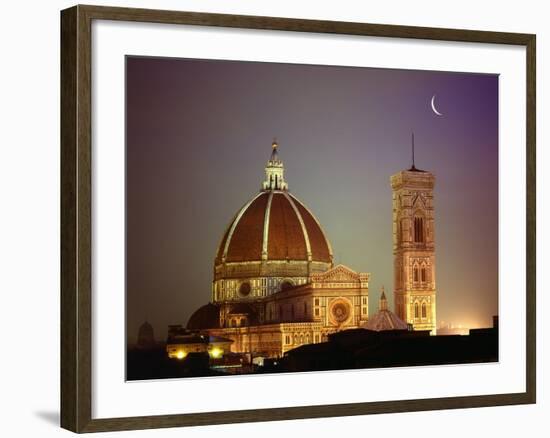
x=275 y=285
x=385 y=319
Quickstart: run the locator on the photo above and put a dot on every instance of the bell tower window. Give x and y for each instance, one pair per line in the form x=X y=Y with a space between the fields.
x=419 y=229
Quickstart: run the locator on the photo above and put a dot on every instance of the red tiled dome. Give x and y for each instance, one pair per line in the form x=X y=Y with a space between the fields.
x=275 y=224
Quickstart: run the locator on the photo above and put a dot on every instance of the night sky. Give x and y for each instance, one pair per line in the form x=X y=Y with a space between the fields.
x=199 y=134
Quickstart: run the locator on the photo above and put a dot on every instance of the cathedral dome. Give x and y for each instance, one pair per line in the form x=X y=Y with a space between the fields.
x=273 y=243
x=274 y=225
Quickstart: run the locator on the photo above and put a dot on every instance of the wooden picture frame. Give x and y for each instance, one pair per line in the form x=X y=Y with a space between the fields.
x=76 y=217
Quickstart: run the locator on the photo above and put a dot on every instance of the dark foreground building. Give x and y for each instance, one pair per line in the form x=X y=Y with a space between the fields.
x=362 y=348
x=348 y=349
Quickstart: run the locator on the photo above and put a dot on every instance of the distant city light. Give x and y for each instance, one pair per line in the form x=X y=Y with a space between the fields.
x=180 y=354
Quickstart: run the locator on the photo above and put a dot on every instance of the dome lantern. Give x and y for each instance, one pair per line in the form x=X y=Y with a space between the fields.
x=274 y=171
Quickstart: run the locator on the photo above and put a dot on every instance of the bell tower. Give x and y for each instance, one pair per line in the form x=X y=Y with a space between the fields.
x=414 y=247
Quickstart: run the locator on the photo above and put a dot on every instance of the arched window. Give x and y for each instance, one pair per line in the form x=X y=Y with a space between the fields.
x=423 y=310
x=302 y=338
x=419 y=229
x=415 y=273
x=416 y=310
x=423 y=274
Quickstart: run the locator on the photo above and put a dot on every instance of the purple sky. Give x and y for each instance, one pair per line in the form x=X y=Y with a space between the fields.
x=199 y=133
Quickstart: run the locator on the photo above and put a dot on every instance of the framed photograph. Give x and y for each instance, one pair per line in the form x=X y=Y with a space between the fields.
x=270 y=218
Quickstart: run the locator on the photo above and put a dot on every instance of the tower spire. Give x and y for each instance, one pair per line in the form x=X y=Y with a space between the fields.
x=413 y=164
x=274 y=170
x=383 y=305
x=412 y=144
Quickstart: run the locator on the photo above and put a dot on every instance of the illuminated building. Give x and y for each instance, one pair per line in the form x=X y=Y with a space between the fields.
x=275 y=285
x=182 y=342
x=414 y=247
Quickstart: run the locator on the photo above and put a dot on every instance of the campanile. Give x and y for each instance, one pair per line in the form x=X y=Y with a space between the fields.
x=414 y=247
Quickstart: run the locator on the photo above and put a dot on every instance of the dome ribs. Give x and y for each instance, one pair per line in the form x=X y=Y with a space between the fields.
x=320 y=249
x=286 y=239
x=247 y=238
x=274 y=226
x=221 y=247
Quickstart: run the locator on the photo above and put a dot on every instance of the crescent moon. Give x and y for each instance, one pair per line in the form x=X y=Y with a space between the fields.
x=433 y=106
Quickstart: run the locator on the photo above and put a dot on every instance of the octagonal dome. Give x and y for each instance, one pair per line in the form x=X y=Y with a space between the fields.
x=385 y=319
x=274 y=225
